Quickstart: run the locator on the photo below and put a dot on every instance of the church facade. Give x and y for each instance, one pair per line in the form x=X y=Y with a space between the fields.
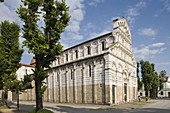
x=100 y=71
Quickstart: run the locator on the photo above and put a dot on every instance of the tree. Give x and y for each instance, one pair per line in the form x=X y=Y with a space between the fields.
x=19 y=86
x=155 y=82
x=161 y=79
x=150 y=78
x=162 y=73
x=44 y=44
x=10 y=54
x=146 y=70
x=139 y=81
x=1 y=0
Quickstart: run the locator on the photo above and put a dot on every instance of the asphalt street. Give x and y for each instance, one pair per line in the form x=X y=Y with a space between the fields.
x=157 y=106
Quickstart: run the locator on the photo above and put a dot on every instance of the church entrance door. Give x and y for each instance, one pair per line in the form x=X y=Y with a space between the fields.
x=125 y=92
x=113 y=94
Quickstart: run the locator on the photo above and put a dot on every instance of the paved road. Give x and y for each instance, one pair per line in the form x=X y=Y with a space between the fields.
x=158 y=106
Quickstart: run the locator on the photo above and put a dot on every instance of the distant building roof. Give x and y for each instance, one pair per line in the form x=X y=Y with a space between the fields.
x=26 y=65
x=165 y=78
x=32 y=62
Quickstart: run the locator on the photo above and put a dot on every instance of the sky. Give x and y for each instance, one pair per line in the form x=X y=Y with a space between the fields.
x=149 y=22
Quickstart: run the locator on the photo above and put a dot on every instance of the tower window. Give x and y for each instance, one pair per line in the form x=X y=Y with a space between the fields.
x=76 y=51
x=66 y=57
x=88 y=50
x=103 y=46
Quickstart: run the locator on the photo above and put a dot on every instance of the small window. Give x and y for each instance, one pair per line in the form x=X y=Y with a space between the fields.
x=71 y=74
x=88 y=50
x=100 y=85
x=103 y=46
x=89 y=71
x=162 y=93
x=76 y=51
x=66 y=57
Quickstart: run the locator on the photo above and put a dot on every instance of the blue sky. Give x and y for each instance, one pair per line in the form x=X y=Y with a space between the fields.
x=149 y=21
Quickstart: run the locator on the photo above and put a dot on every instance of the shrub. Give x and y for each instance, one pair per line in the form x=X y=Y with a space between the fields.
x=4 y=107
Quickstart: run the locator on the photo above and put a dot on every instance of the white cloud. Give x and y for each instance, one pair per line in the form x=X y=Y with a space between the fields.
x=158 y=44
x=147 y=32
x=141 y=4
x=77 y=15
x=65 y=46
x=134 y=11
x=163 y=63
x=166 y=5
x=8 y=11
x=95 y=2
x=148 y=50
x=99 y=34
x=168 y=36
x=89 y=27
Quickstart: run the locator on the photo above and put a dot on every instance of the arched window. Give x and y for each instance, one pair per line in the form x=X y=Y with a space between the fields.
x=88 y=50
x=66 y=57
x=76 y=51
x=103 y=46
x=90 y=71
x=71 y=74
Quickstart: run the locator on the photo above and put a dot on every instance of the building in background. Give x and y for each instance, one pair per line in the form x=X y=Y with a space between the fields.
x=165 y=92
x=101 y=71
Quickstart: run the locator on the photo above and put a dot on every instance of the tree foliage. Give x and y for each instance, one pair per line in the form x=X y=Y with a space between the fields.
x=19 y=86
x=10 y=53
x=149 y=77
x=162 y=73
x=1 y=0
x=44 y=44
x=161 y=79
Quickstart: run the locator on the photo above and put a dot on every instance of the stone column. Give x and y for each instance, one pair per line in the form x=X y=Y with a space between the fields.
x=66 y=86
x=95 y=85
x=60 y=87
x=116 y=98
x=83 y=84
x=74 y=85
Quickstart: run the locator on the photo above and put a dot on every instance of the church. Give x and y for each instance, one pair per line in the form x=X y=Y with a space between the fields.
x=99 y=71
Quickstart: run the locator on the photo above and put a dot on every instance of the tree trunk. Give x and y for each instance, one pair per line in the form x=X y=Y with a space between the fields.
x=39 y=103
x=6 y=98
x=17 y=100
